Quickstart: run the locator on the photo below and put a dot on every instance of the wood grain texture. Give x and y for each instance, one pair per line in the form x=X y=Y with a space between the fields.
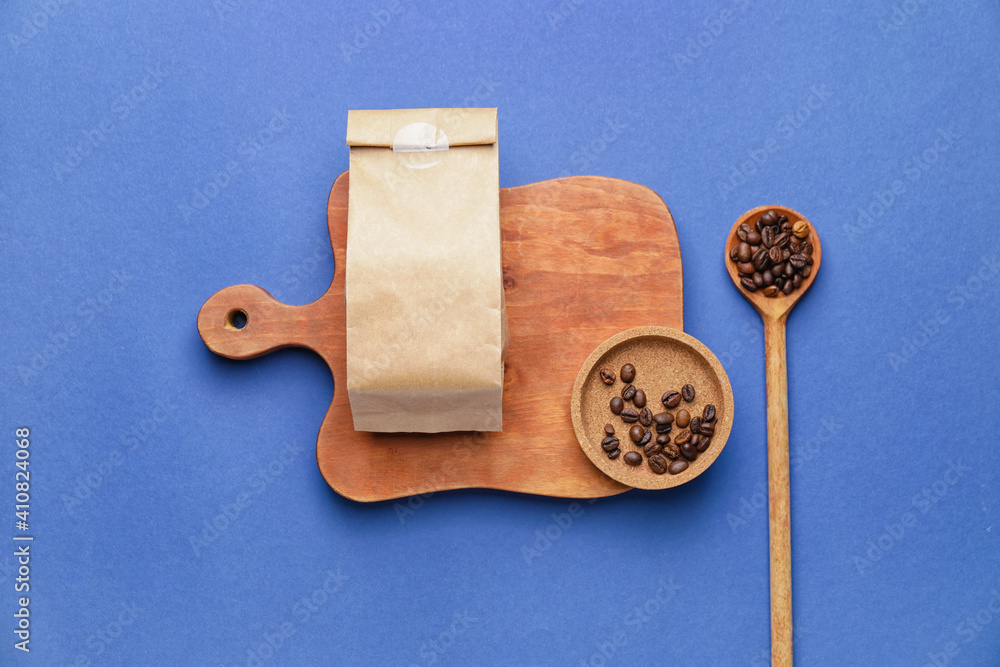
x=584 y=257
x=774 y=312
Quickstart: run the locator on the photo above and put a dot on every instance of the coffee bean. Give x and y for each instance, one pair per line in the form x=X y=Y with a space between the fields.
x=614 y=453
x=753 y=238
x=743 y=252
x=610 y=443
x=775 y=254
x=785 y=254
x=767 y=278
x=608 y=376
x=807 y=248
x=794 y=245
x=617 y=405
x=639 y=398
x=657 y=464
x=671 y=399
x=662 y=439
x=635 y=433
x=761 y=260
x=663 y=428
x=796 y=281
x=687 y=392
x=645 y=417
x=682 y=437
x=630 y=416
x=646 y=437
x=628 y=392
x=652 y=448
x=671 y=451
x=770 y=291
x=767 y=237
x=627 y=373
x=734 y=253
x=787 y=287
x=695 y=439
x=632 y=458
x=800 y=228
x=695 y=425
x=703 y=443
x=609 y=429
x=683 y=418
x=782 y=219
x=805 y=273
x=798 y=261
x=789 y=270
x=707 y=428
x=769 y=217
x=742 y=231
x=663 y=418
x=748 y=284
x=708 y=414
x=688 y=451
x=758 y=278
x=782 y=239
x=677 y=467
x=745 y=267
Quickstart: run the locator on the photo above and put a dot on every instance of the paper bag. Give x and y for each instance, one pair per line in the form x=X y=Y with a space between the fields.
x=426 y=325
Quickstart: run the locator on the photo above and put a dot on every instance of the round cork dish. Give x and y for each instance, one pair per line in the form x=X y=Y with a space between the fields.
x=665 y=359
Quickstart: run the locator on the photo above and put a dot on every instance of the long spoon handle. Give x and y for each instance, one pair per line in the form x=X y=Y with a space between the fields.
x=779 y=516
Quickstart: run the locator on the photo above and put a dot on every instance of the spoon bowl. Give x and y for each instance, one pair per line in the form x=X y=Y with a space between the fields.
x=773 y=307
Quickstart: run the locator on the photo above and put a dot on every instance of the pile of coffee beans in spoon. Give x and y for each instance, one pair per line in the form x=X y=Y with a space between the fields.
x=661 y=454
x=774 y=254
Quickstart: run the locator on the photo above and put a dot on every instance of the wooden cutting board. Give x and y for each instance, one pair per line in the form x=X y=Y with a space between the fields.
x=584 y=257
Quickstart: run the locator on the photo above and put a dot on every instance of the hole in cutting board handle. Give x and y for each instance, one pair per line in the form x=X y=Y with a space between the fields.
x=237 y=319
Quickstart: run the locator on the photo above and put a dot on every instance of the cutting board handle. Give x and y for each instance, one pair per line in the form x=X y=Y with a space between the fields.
x=245 y=321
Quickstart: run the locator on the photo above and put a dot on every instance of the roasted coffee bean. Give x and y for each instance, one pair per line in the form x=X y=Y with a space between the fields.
x=800 y=228
x=663 y=418
x=742 y=231
x=695 y=439
x=652 y=448
x=745 y=267
x=758 y=279
x=630 y=416
x=807 y=248
x=782 y=219
x=645 y=417
x=628 y=392
x=761 y=260
x=687 y=392
x=707 y=428
x=646 y=437
x=632 y=458
x=671 y=399
x=695 y=425
x=743 y=251
x=639 y=399
x=798 y=261
x=703 y=443
x=775 y=254
x=778 y=269
x=786 y=227
x=782 y=239
x=688 y=451
x=671 y=451
x=787 y=287
x=789 y=270
x=682 y=437
x=767 y=237
x=759 y=225
x=770 y=290
x=683 y=418
x=748 y=284
x=610 y=443
x=767 y=278
x=608 y=376
x=708 y=414
x=677 y=467
x=734 y=253
x=785 y=254
x=796 y=281
x=627 y=373
x=753 y=238
x=609 y=429
x=663 y=428
x=635 y=433
x=794 y=245
x=614 y=453
x=769 y=217
x=806 y=272
x=657 y=464
x=662 y=439
x=617 y=405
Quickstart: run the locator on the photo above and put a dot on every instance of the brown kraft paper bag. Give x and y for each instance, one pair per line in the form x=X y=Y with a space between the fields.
x=426 y=325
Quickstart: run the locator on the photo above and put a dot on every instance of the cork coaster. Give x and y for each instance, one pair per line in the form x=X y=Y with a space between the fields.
x=664 y=359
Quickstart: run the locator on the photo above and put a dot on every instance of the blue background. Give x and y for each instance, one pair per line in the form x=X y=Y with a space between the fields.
x=150 y=156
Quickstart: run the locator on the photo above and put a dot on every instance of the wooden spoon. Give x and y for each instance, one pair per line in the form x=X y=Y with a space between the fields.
x=774 y=312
